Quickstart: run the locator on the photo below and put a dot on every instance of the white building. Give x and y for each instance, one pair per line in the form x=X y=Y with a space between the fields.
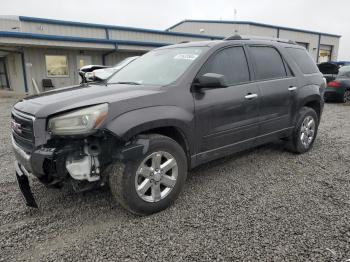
x=322 y=46
x=36 y=48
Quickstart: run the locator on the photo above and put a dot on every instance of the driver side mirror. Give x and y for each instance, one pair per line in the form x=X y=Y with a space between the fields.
x=211 y=80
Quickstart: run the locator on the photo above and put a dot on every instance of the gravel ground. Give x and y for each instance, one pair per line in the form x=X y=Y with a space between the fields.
x=264 y=204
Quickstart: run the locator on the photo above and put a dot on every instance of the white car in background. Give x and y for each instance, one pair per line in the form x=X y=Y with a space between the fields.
x=102 y=74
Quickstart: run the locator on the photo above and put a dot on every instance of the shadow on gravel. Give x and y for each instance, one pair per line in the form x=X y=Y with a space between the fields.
x=276 y=146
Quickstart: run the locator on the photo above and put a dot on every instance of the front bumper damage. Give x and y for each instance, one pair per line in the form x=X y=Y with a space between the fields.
x=80 y=162
x=23 y=183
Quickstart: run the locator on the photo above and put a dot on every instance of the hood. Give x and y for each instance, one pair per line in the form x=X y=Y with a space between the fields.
x=67 y=98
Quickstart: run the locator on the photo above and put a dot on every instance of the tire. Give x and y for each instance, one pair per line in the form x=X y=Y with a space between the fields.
x=125 y=178
x=295 y=143
x=346 y=96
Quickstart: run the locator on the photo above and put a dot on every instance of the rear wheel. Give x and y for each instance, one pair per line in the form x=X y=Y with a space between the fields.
x=346 y=96
x=305 y=131
x=152 y=182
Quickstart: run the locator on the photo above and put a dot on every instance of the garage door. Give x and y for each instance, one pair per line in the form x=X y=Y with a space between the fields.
x=325 y=53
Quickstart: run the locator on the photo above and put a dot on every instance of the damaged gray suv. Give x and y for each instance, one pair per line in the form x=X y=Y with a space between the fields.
x=172 y=109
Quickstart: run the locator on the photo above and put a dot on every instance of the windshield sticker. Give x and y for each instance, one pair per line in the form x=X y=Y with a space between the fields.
x=186 y=56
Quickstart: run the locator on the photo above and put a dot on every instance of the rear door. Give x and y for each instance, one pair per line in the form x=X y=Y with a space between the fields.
x=227 y=118
x=278 y=89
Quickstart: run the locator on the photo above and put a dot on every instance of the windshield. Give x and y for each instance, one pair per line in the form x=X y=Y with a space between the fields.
x=158 y=67
x=125 y=62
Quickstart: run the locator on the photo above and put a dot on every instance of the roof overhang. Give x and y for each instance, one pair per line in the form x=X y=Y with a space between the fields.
x=41 y=40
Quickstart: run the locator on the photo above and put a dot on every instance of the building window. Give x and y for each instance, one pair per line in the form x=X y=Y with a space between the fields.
x=56 y=65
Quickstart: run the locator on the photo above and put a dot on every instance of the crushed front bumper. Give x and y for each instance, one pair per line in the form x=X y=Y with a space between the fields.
x=61 y=161
x=29 y=164
x=23 y=182
x=33 y=162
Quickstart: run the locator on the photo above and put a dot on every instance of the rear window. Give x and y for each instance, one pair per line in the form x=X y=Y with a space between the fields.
x=303 y=59
x=344 y=72
x=269 y=63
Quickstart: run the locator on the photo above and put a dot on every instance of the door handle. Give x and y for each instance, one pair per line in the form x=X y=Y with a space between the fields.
x=292 y=88
x=251 y=96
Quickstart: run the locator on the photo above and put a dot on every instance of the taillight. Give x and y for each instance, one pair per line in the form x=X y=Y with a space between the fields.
x=335 y=84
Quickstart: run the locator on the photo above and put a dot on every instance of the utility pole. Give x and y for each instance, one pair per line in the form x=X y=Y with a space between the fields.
x=235 y=21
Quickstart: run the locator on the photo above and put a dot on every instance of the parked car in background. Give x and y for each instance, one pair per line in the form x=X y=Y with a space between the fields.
x=89 y=68
x=339 y=88
x=330 y=69
x=170 y=110
x=101 y=74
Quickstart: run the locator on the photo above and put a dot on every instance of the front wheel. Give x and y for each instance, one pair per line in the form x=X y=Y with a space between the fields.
x=153 y=181
x=305 y=131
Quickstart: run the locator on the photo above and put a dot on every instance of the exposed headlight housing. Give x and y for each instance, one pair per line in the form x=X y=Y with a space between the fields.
x=90 y=76
x=78 y=122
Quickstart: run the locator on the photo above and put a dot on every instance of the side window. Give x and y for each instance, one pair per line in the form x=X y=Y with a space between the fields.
x=230 y=62
x=288 y=69
x=304 y=61
x=268 y=61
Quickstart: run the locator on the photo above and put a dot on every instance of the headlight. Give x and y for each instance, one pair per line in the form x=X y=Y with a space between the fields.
x=90 y=76
x=77 y=122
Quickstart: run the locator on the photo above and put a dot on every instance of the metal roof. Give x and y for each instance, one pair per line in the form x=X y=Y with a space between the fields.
x=103 y=26
x=251 y=23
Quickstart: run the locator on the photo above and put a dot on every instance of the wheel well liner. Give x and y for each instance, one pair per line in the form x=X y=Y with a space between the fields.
x=315 y=105
x=175 y=134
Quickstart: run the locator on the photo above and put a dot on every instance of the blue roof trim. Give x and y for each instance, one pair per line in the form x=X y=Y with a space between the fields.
x=79 y=39
x=102 y=26
x=253 y=23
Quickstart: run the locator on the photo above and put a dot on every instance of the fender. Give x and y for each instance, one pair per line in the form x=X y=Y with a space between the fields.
x=307 y=94
x=134 y=122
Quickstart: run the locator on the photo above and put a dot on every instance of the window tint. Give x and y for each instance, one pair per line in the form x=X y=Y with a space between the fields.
x=269 y=63
x=303 y=60
x=230 y=62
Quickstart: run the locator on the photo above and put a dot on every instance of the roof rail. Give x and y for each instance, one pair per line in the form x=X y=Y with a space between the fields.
x=234 y=37
x=280 y=40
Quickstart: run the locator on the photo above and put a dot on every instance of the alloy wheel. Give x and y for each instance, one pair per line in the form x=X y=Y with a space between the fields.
x=156 y=176
x=307 y=131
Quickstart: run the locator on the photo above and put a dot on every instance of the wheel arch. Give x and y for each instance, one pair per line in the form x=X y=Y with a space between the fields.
x=315 y=105
x=170 y=121
x=174 y=133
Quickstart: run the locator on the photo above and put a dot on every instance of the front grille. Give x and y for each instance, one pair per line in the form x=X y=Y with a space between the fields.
x=23 y=130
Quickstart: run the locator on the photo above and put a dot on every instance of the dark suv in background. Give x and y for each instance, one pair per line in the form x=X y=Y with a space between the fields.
x=170 y=110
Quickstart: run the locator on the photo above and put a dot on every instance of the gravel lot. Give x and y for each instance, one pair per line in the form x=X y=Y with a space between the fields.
x=264 y=204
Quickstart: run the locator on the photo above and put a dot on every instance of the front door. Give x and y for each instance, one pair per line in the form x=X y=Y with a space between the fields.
x=4 y=83
x=278 y=90
x=226 y=118
x=83 y=60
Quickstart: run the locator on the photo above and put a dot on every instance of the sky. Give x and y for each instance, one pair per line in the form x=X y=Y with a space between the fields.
x=316 y=15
